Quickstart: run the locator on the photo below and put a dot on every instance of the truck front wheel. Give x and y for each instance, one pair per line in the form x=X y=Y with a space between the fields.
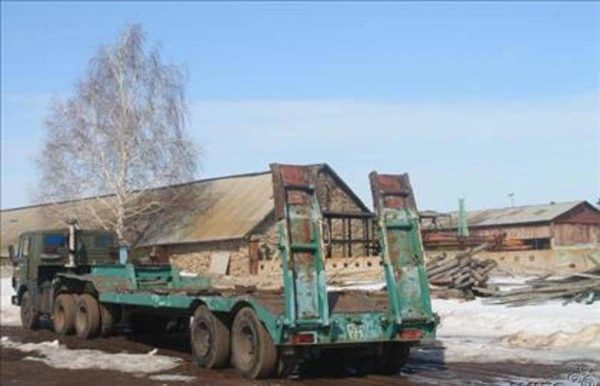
x=253 y=352
x=87 y=317
x=29 y=317
x=63 y=314
x=210 y=339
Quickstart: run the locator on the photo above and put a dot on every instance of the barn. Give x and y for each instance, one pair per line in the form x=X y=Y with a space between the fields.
x=231 y=221
x=544 y=226
x=557 y=237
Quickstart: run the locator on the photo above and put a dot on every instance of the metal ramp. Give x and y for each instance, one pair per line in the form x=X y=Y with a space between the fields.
x=401 y=248
x=299 y=222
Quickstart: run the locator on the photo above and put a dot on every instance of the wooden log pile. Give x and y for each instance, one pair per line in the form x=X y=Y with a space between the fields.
x=578 y=287
x=461 y=273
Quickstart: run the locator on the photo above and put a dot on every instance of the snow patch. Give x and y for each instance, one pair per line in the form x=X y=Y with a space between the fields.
x=171 y=378
x=58 y=356
x=10 y=315
x=548 y=332
x=587 y=337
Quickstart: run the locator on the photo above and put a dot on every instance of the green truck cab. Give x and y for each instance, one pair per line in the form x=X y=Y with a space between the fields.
x=41 y=255
x=73 y=277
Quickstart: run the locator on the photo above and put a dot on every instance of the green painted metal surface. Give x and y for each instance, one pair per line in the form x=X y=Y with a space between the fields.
x=401 y=249
x=463 y=226
x=300 y=244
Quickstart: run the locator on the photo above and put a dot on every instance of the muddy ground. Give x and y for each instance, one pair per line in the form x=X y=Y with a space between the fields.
x=16 y=371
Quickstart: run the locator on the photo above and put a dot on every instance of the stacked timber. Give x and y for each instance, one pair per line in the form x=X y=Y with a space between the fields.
x=579 y=287
x=460 y=274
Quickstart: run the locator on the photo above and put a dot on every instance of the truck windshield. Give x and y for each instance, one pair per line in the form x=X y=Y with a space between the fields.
x=104 y=241
x=54 y=243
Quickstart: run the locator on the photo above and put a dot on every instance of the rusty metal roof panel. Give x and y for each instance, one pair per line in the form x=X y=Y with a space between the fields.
x=513 y=215
x=224 y=208
x=231 y=207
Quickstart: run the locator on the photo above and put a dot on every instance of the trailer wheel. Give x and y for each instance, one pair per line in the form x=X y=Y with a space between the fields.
x=29 y=317
x=210 y=339
x=109 y=315
x=395 y=355
x=63 y=314
x=87 y=317
x=253 y=352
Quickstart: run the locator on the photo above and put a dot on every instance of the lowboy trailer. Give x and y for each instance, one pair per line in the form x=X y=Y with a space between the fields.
x=261 y=333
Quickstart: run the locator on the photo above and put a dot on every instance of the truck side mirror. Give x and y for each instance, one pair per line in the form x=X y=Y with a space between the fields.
x=11 y=253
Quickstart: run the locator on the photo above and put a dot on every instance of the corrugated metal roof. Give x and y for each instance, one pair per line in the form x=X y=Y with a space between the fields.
x=222 y=208
x=513 y=215
x=232 y=207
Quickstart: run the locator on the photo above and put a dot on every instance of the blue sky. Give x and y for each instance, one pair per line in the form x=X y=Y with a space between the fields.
x=478 y=100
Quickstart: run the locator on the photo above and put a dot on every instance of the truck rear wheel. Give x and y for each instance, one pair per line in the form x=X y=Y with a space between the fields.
x=63 y=314
x=253 y=352
x=109 y=315
x=210 y=339
x=87 y=317
x=29 y=317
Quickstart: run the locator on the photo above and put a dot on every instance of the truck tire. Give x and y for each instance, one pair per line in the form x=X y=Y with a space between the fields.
x=63 y=314
x=253 y=352
x=395 y=355
x=29 y=317
x=210 y=339
x=87 y=317
x=109 y=315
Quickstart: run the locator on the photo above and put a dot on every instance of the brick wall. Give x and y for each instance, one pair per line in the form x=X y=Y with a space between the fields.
x=196 y=257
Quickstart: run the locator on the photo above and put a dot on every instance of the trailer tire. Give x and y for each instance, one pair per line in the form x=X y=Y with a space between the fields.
x=29 y=316
x=109 y=315
x=395 y=355
x=87 y=317
x=210 y=339
x=63 y=314
x=253 y=353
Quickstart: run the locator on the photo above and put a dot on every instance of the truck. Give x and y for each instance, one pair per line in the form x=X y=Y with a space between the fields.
x=73 y=278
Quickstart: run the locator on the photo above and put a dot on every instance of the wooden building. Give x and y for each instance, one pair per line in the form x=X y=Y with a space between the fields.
x=545 y=226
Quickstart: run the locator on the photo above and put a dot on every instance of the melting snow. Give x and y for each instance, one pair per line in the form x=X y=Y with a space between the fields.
x=58 y=356
x=171 y=378
x=548 y=332
x=9 y=314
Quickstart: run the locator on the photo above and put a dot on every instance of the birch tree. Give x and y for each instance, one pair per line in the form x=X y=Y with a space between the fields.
x=119 y=136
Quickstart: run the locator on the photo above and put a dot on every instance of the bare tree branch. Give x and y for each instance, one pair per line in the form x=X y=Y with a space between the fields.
x=119 y=137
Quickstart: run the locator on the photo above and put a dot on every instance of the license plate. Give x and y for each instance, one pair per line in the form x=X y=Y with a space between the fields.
x=355 y=331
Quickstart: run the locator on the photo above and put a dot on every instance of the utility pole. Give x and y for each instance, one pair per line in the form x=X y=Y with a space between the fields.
x=511 y=197
x=463 y=226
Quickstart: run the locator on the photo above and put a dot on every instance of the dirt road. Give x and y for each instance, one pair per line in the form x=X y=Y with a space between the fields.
x=15 y=370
